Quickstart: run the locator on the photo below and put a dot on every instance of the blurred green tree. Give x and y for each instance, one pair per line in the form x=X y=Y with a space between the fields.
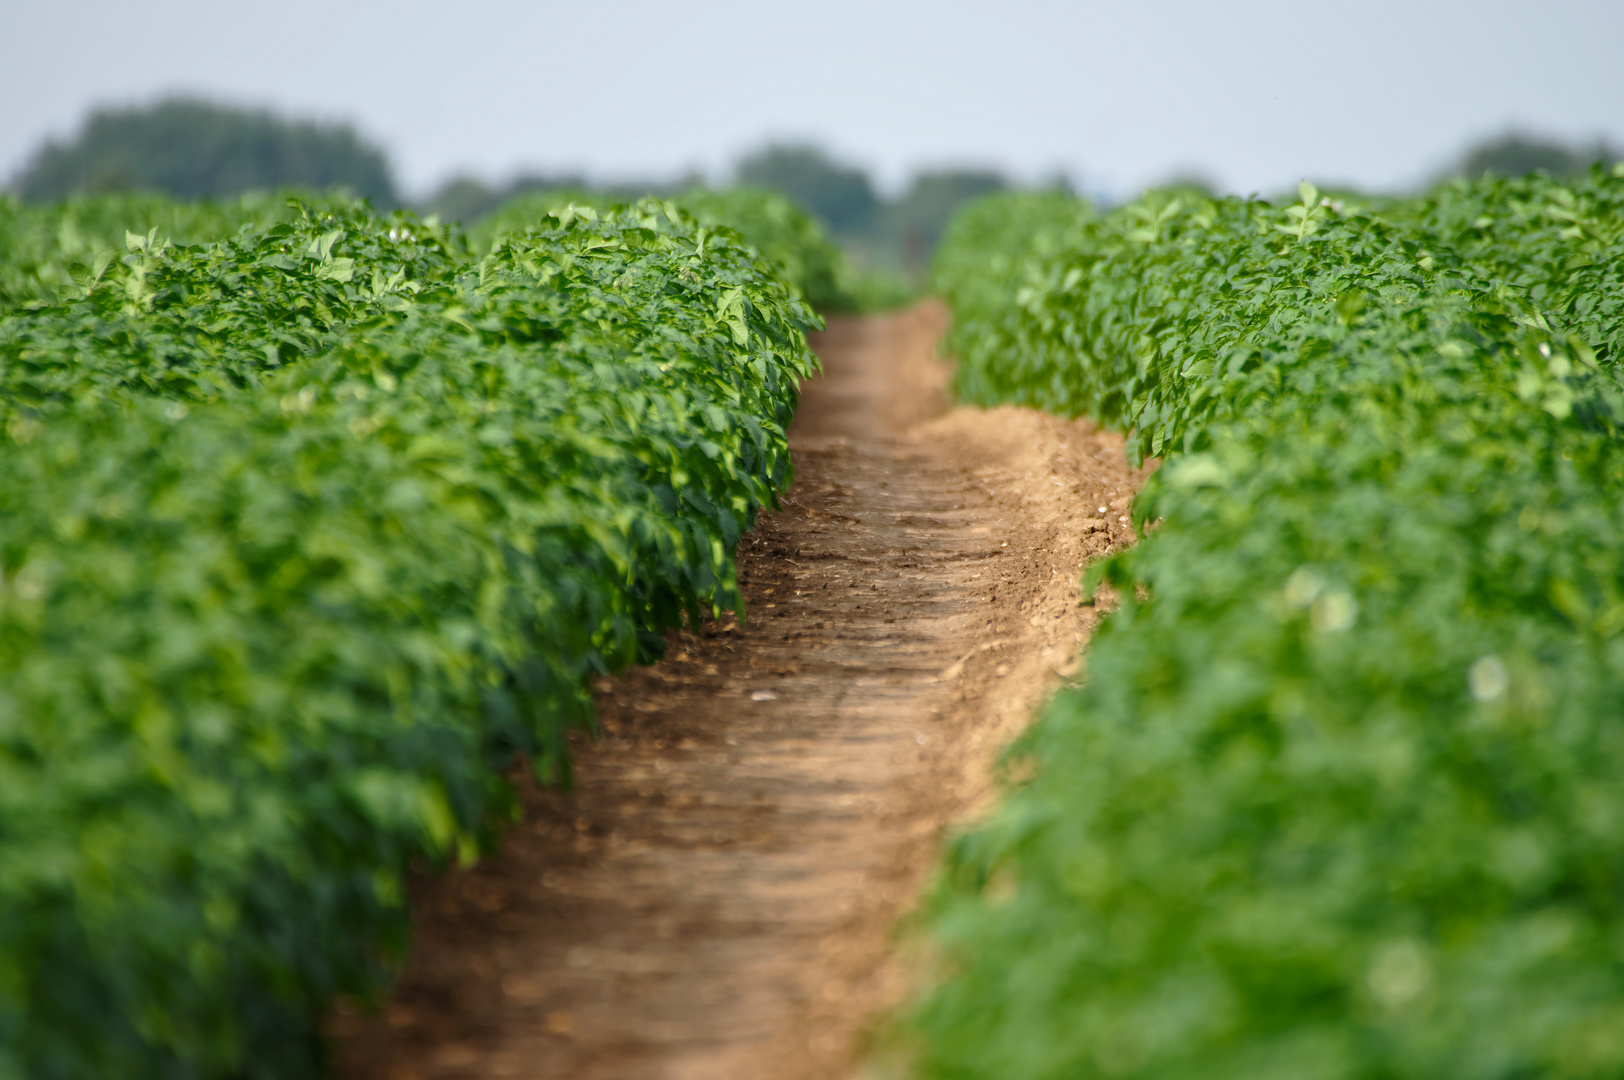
x=840 y=195
x=193 y=149
x=916 y=220
x=463 y=198
x=1518 y=153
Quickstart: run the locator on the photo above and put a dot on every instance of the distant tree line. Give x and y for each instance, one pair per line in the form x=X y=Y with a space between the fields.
x=1518 y=153
x=194 y=149
x=843 y=196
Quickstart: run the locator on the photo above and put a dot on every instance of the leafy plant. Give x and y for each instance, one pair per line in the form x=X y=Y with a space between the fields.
x=46 y=246
x=305 y=534
x=796 y=247
x=1339 y=797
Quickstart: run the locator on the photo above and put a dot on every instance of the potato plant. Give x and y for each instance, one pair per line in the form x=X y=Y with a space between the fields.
x=307 y=534
x=1340 y=796
x=46 y=247
x=795 y=245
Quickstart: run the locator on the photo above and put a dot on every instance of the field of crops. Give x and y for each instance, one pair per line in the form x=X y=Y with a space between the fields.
x=312 y=522
x=1341 y=796
x=315 y=522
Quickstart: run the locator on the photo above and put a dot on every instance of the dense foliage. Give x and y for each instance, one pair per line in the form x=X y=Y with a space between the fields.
x=191 y=149
x=796 y=246
x=1341 y=795
x=305 y=533
x=44 y=249
x=786 y=237
x=986 y=266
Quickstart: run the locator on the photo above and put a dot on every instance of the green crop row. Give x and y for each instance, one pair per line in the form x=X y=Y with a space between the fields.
x=1340 y=798
x=41 y=246
x=306 y=535
x=785 y=235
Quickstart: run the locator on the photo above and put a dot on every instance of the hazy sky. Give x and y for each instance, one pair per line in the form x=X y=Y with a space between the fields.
x=1252 y=93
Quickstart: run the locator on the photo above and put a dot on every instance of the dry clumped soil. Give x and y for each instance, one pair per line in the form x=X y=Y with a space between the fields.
x=714 y=897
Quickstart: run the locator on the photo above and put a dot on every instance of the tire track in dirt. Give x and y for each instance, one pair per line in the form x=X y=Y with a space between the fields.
x=713 y=898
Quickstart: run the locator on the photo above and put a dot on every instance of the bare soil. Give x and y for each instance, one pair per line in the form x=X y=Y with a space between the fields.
x=714 y=897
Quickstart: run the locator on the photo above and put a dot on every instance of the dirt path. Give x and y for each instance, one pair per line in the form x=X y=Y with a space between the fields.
x=713 y=898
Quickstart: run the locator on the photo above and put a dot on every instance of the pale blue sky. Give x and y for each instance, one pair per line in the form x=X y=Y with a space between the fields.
x=1253 y=93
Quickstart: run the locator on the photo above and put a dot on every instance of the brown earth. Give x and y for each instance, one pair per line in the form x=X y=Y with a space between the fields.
x=714 y=898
